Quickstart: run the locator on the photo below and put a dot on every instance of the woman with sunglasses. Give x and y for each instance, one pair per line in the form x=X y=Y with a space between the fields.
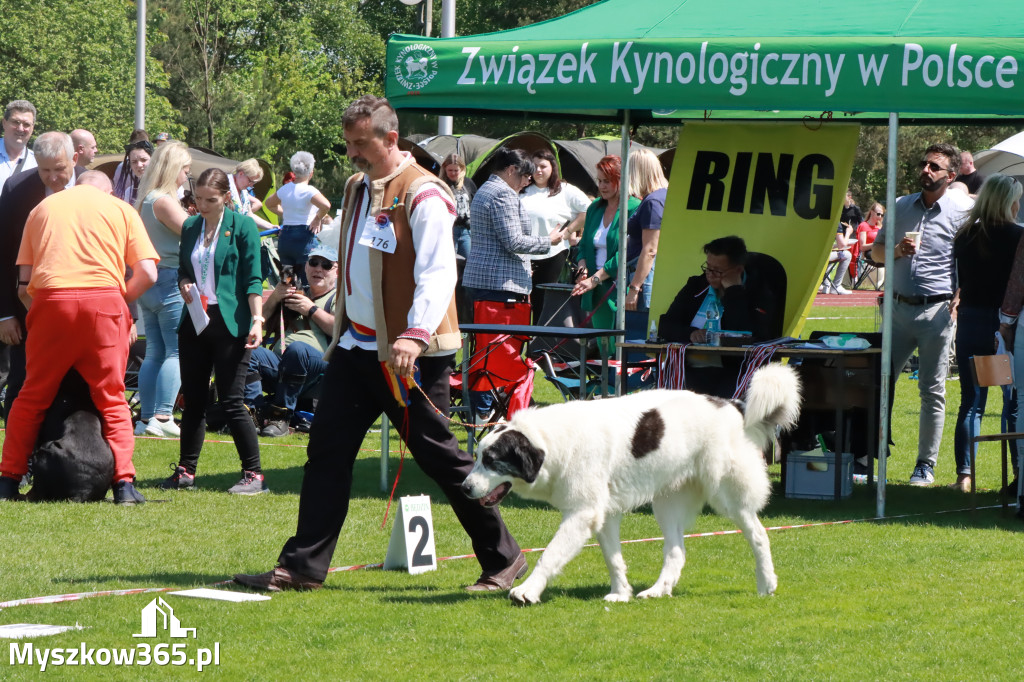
x=137 y=154
x=160 y=306
x=219 y=264
x=599 y=248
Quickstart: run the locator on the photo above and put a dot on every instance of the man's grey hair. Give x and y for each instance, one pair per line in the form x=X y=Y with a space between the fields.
x=377 y=109
x=302 y=164
x=54 y=145
x=19 y=105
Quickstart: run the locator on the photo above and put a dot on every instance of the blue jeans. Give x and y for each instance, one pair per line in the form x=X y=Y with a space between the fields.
x=293 y=247
x=975 y=334
x=287 y=376
x=160 y=376
x=460 y=233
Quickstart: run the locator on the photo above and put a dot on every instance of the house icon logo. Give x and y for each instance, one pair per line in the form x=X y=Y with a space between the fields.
x=159 y=613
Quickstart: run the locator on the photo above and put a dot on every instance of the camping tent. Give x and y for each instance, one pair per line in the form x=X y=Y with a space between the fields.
x=1007 y=157
x=663 y=60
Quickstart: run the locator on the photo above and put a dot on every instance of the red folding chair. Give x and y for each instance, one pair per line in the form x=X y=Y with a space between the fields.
x=496 y=363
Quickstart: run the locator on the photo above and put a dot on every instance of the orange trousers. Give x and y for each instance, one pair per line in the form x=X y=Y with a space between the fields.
x=84 y=329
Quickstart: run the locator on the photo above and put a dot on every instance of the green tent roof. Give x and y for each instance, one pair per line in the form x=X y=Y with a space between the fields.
x=668 y=59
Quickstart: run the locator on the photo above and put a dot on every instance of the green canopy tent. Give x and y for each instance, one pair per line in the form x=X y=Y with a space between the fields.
x=637 y=61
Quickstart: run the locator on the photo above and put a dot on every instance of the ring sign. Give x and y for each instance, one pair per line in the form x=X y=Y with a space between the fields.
x=412 y=537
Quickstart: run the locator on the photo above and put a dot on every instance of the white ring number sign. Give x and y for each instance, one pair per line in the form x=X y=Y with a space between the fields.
x=412 y=537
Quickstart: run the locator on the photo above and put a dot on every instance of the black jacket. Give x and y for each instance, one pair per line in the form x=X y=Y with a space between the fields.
x=749 y=307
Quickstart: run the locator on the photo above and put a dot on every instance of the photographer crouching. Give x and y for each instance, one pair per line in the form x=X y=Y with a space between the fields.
x=295 y=364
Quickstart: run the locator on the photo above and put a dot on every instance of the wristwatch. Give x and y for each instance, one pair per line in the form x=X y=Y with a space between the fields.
x=312 y=309
x=635 y=288
x=596 y=280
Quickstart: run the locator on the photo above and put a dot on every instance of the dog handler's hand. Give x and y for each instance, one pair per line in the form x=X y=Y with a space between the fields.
x=255 y=337
x=186 y=290
x=10 y=332
x=402 y=359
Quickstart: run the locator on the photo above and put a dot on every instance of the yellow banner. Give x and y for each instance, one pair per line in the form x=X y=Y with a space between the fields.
x=780 y=186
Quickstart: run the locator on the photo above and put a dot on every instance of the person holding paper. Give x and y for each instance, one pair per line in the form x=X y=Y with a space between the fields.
x=983 y=252
x=219 y=278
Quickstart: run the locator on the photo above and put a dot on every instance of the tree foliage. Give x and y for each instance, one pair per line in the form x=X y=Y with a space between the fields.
x=266 y=79
x=75 y=61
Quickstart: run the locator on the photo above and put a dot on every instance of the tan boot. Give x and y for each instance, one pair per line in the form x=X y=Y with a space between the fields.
x=963 y=483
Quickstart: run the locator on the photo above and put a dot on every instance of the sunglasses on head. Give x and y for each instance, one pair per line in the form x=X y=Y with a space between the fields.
x=317 y=262
x=141 y=144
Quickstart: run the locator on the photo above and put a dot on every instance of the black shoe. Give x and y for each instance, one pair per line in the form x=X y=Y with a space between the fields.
x=9 y=488
x=275 y=428
x=179 y=480
x=125 y=493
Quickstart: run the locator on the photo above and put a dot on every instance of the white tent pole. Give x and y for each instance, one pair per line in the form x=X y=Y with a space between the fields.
x=621 y=277
x=886 y=378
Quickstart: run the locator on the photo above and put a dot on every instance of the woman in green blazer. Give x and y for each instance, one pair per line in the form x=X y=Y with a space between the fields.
x=599 y=247
x=219 y=267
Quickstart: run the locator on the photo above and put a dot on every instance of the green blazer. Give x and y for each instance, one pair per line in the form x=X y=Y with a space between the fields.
x=236 y=267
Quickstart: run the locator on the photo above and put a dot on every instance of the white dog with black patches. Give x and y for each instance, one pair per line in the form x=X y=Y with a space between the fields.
x=596 y=460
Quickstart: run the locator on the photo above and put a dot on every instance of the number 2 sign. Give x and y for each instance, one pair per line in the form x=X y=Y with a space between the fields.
x=412 y=537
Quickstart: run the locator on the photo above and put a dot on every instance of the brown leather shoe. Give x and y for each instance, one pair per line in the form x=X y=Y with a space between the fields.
x=278 y=579
x=503 y=579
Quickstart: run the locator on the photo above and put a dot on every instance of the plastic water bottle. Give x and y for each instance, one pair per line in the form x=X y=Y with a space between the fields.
x=713 y=327
x=652 y=336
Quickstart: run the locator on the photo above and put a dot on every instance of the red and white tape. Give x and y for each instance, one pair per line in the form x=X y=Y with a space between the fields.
x=77 y=596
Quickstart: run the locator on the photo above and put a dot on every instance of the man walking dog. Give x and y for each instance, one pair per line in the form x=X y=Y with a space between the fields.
x=394 y=314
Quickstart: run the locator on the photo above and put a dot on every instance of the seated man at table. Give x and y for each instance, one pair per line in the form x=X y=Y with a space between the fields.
x=739 y=298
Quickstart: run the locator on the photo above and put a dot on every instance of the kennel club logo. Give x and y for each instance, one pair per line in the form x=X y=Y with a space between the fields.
x=157 y=620
x=415 y=66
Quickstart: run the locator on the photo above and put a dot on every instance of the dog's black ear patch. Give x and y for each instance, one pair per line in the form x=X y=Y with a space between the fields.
x=650 y=430
x=514 y=454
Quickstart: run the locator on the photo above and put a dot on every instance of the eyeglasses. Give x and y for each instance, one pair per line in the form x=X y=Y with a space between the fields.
x=713 y=272
x=320 y=263
x=931 y=165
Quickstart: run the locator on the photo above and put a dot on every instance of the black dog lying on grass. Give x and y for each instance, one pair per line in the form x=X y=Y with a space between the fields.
x=72 y=460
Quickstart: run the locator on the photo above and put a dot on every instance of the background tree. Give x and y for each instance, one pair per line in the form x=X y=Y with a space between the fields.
x=75 y=60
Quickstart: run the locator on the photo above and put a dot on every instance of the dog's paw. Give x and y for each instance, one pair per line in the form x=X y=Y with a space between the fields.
x=767 y=587
x=616 y=597
x=654 y=591
x=523 y=596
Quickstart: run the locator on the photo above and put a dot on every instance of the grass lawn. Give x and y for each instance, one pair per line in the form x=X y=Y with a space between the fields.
x=930 y=593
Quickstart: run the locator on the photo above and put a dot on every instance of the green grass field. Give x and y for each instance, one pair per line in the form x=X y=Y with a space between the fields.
x=930 y=593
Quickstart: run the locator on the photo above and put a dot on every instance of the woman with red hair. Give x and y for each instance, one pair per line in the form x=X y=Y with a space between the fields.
x=599 y=246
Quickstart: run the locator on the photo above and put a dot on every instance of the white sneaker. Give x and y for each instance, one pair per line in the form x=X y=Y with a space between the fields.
x=823 y=289
x=140 y=428
x=840 y=289
x=163 y=429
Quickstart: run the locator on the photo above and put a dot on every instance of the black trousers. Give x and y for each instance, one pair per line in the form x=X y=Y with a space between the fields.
x=354 y=394
x=15 y=374
x=216 y=351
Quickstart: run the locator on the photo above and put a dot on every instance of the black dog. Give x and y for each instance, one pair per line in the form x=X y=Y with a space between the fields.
x=72 y=460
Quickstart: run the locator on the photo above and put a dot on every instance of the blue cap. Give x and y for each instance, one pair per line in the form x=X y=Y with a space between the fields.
x=324 y=252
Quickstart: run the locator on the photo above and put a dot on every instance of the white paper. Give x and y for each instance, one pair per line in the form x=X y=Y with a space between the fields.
x=195 y=310
x=23 y=630
x=220 y=595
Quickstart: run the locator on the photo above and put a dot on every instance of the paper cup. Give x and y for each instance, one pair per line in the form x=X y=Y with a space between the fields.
x=916 y=236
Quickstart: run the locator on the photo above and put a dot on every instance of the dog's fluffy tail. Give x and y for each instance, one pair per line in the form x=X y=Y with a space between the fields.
x=772 y=400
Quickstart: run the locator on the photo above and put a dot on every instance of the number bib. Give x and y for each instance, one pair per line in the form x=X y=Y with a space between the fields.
x=379 y=233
